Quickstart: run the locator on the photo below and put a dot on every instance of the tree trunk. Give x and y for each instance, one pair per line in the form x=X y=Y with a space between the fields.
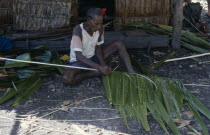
x=177 y=23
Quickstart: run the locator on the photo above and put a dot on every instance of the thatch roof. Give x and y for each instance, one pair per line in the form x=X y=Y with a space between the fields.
x=41 y=14
x=152 y=11
x=5 y=11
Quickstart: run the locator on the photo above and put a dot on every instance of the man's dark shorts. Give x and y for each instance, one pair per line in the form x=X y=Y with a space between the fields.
x=79 y=64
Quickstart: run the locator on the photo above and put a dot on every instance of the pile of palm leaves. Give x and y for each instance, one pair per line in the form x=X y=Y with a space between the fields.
x=189 y=40
x=27 y=78
x=134 y=95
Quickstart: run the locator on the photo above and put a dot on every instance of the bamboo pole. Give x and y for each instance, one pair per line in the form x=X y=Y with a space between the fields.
x=177 y=23
x=189 y=57
x=47 y=64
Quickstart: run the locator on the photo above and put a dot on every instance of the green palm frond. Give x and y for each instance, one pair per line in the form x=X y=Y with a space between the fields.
x=11 y=64
x=26 y=80
x=189 y=39
x=134 y=95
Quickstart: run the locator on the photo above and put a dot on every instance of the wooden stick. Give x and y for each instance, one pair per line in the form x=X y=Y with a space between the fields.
x=55 y=130
x=199 y=85
x=79 y=108
x=193 y=25
x=48 y=64
x=189 y=57
x=58 y=120
x=79 y=129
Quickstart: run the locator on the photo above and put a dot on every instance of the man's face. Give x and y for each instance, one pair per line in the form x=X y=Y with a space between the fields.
x=96 y=23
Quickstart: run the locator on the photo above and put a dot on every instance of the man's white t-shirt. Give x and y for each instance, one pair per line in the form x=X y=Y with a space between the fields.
x=83 y=42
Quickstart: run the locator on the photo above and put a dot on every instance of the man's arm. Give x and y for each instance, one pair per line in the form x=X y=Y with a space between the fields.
x=105 y=70
x=98 y=50
x=100 y=55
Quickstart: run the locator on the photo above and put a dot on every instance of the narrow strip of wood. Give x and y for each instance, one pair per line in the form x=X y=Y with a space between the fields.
x=189 y=57
x=48 y=64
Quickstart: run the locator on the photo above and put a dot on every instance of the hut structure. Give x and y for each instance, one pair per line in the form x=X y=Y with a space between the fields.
x=34 y=15
x=41 y=14
x=130 y=11
x=47 y=14
x=6 y=15
x=148 y=11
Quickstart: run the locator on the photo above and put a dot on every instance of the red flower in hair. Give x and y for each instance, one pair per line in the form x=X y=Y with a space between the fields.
x=103 y=11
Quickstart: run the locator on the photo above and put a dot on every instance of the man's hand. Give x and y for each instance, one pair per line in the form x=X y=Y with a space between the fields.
x=105 y=70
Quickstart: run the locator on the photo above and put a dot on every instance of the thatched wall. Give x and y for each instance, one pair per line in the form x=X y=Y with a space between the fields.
x=41 y=14
x=5 y=11
x=149 y=11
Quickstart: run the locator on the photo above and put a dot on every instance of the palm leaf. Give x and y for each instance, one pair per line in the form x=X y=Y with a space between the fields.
x=186 y=37
x=22 y=86
x=198 y=105
x=155 y=66
x=194 y=48
x=27 y=80
x=11 y=64
x=165 y=98
x=26 y=73
x=44 y=57
x=155 y=115
x=199 y=119
x=8 y=84
x=56 y=60
x=23 y=95
x=141 y=68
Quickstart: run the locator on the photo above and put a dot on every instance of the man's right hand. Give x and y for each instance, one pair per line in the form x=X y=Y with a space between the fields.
x=105 y=70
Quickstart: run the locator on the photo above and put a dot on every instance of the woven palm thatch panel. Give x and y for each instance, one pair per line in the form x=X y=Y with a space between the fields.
x=153 y=19
x=149 y=11
x=41 y=14
x=6 y=11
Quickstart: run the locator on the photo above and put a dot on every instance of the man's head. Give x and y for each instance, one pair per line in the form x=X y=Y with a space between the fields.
x=95 y=18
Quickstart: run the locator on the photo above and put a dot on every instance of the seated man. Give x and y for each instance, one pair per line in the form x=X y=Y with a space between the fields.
x=206 y=20
x=87 y=50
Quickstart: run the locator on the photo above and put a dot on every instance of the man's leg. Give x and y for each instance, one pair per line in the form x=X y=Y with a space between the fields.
x=69 y=76
x=118 y=46
x=85 y=75
x=108 y=50
x=74 y=76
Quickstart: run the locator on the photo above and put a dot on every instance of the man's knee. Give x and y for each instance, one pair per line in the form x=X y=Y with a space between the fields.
x=68 y=77
x=119 y=44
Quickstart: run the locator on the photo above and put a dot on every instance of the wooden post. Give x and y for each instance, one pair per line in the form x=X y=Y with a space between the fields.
x=177 y=23
x=75 y=10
